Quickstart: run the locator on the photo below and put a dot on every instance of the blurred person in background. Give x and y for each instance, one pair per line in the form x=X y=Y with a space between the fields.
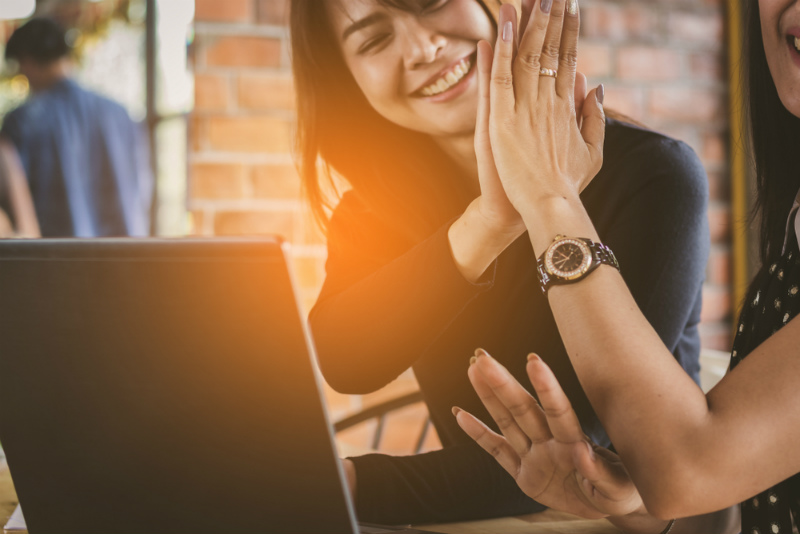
x=85 y=160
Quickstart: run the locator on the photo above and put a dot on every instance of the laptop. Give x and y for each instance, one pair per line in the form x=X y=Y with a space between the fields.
x=164 y=386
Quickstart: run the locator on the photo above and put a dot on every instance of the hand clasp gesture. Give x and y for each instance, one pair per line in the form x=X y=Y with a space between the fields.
x=541 y=148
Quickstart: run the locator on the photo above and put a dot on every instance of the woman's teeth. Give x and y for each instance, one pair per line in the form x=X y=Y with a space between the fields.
x=797 y=43
x=448 y=80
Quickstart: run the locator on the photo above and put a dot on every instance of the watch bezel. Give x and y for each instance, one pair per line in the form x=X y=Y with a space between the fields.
x=576 y=273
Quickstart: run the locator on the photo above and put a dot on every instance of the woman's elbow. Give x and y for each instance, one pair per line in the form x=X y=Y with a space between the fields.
x=344 y=374
x=674 y=493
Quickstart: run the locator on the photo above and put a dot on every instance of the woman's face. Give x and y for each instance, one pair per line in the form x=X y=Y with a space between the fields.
x=416 y=69
x=780 y=26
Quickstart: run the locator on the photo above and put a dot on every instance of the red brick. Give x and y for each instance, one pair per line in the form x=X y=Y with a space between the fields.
x=273 y=12
x=707 y=66
x=687 y=104
x=629 y=101
x=715 y=148
x=603 y=21
x=719 y=222
x=641 y=21
x=705 y=30
x=223 y=10
x=718 y=270
x=594 y=60
x=211 y=92
x=197 y=133
x=719 y=186
x=249 y=134
x=716 y=304
x=254 y=223
x=218 y=181
x=266 y=91
x=641 y=63
x=244 y=52
x=275 y=181
x=197 y=222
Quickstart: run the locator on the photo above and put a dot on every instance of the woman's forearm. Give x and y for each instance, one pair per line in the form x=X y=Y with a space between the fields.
x=475 y=245
x=650 y=408
x=374 y=329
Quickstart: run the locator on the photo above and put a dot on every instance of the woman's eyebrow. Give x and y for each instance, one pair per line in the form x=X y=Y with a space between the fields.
x=363 y=23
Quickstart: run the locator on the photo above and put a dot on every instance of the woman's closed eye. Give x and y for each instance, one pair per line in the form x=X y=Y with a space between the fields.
x=375 y=43
x=429 y=6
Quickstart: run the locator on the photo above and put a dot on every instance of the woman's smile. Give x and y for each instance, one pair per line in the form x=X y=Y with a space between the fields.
x=450 y=83
x=407 y=61
x=793 y=41
x=780 y=28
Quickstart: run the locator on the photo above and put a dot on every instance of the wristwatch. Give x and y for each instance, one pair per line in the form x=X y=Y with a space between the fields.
x=570 y=259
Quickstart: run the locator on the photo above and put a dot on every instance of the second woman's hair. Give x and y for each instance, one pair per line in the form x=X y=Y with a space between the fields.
x=775 y=137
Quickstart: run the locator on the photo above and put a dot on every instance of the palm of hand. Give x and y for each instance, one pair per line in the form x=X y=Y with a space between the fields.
x=547 y=475
x=543 y=446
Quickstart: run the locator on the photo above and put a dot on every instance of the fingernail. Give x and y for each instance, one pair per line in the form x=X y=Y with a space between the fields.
x=480 y=352
x=601 y=94
x=587 y=486
x=572 y=7
x=546 y=5
x=508 y=32
x=532 y=357
x=473 y=360
x=456 y=410
x=591 y=451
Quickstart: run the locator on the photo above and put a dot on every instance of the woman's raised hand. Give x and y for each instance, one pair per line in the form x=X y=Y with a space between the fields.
x=543 y=446
x=541 y=148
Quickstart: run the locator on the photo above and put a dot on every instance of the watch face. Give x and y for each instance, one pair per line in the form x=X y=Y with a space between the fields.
x=568 y=259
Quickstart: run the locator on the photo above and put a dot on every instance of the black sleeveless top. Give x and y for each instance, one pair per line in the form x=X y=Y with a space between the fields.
x=773 y=301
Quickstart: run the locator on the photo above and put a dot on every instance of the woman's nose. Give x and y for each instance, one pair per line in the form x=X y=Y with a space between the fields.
x=421 y=45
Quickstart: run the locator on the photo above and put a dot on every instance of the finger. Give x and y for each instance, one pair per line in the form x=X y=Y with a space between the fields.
x=551 y=48
x=514 y=400
x=568 y=51
x=580 y=97
x=502 y=86
x=508 y=426
x=561 y=417
x=526 y=8
x=495 y=445
x=593 y=129
x=529 y=56
x=483 y=148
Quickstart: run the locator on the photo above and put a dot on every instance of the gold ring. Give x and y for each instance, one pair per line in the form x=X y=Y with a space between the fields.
x=548 y=72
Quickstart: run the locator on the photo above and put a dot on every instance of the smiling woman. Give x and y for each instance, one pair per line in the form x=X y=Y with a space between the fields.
x=426 y=255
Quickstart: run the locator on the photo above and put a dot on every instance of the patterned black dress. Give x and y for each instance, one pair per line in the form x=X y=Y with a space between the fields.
x=773 y=301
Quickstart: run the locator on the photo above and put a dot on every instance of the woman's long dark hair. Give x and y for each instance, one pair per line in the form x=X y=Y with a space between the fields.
x=403 y=177
x=775 y=135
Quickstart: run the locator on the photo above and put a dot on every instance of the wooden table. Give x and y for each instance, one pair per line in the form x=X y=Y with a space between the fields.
x=549 y=522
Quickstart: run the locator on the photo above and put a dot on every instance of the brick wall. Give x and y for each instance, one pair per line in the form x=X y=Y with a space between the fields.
x=662 y=62
x=242 y=177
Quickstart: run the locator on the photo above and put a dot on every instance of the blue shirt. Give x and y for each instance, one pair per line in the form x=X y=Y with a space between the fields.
x=86 y=161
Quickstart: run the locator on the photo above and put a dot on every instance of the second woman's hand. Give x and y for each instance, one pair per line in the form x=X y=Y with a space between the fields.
x=540 y=152
x=544 y=448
